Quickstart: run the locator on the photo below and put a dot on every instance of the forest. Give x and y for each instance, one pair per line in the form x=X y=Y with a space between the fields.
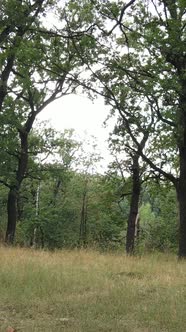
x=133 y=55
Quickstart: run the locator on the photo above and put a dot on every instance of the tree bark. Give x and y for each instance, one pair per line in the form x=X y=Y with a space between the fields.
x=181 y=194
x=181 y=188
x=137 y=230
x=14 y=190
x=134 y=205
x=20 y=207
x=12 y=215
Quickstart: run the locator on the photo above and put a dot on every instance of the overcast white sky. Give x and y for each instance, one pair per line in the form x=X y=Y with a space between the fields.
x=83 y=115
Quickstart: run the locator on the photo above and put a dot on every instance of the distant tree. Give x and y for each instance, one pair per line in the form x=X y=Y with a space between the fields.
x=45 y=189
x=159 y=217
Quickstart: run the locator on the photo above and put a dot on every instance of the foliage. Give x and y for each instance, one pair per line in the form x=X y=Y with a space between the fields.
x=133 y=55
x=159 y=218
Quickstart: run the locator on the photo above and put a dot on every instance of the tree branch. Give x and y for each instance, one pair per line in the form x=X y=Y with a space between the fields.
x=5 y=184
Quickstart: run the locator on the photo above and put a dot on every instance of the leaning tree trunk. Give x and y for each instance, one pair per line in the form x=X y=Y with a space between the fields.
x=134 y=205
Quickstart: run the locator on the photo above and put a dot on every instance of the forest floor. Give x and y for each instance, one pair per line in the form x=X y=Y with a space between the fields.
x=85 y=291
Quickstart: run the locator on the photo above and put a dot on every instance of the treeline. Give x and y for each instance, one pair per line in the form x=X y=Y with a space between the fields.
x=59 y=207
x=132 y=54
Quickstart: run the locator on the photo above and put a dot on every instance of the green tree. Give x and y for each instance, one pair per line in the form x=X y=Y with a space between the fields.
x=140 y=70
x=45 y=210
x=123 y=147
x=159 y=217
x=36 y=67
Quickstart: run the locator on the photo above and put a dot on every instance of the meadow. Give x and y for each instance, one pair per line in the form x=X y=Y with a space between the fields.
x=86 y=291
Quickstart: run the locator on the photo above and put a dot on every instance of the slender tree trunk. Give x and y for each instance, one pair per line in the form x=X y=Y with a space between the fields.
x=12 y=215
x=133 y=214
x=83 y=221
x=56 y=191
x=35 y=233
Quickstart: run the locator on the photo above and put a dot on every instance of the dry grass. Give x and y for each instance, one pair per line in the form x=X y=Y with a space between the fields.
x=91 y=292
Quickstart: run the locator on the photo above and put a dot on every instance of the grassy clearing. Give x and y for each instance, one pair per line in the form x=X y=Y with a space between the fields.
x=91 y=292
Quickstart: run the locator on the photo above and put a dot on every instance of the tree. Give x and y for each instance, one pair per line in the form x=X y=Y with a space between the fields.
x=46 y=187
x=36 y=63
x=141 y=59
x=122 y=144
x=160 y=75
x=17 y=19
x=159 y=217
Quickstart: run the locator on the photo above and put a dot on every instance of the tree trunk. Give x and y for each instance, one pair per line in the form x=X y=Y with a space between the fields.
x=137 y=230
x=181 y=194
x=83 y=221
x=12 y=215
x=36 y=228
x=20 y=207
x=14 y=189
x=136 y=187
x=181 y=187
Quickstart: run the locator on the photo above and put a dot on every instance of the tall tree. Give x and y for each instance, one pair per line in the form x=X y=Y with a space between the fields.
x=141 y=60
x=36 y=63
x=123 y=147
x=158 y=73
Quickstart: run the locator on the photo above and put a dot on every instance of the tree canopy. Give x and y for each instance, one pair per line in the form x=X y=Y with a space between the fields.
x=131 y=53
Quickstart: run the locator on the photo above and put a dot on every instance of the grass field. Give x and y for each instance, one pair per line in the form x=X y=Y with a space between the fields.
x=87 y=291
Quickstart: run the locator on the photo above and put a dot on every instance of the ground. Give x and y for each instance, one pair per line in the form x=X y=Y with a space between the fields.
x=86 y=291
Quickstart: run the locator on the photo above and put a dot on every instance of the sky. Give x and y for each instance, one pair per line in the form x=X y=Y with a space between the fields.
x=85 y=117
